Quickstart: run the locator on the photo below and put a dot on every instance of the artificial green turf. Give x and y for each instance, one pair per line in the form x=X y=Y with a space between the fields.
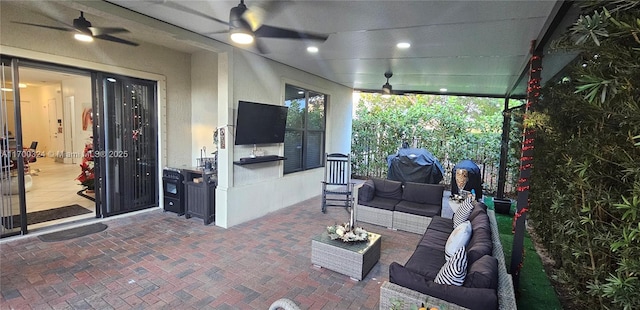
x=535 y=289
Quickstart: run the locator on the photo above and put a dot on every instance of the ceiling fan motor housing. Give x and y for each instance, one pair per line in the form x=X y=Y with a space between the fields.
x=82 y=25
x=235 y=18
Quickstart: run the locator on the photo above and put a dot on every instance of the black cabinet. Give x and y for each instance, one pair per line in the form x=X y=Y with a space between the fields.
x=201 y=200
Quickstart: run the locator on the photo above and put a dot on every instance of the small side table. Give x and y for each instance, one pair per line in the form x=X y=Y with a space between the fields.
x=353 y=259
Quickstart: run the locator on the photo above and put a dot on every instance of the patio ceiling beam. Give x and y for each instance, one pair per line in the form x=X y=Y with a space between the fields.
x=561 y=10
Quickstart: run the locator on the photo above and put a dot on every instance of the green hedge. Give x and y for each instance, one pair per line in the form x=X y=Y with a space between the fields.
x=585 y=187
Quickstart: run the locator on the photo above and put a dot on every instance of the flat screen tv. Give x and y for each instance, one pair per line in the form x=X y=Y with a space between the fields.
x=259 y=123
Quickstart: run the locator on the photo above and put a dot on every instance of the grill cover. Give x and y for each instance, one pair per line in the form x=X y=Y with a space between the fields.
x=475 y=178
x=414 y=165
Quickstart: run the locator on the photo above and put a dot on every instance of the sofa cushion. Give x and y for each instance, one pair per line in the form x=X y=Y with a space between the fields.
x=481 y=222
x=479 y=208
x=454 y=270
x=423 y=193
x=471 y=298
x=388 y=188
x=442 y=224
x=463 y=212
x=458 y=238
x=418 y=208
x=426 y=261
x=479 y=245
x=434 y=239
x=366 y=191
x=380 y=203
x=483 y=273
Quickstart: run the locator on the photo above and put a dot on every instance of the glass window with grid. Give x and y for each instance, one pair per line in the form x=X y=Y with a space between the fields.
x=305 y=132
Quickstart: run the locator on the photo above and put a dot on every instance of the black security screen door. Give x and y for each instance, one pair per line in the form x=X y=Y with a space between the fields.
x=128 y=144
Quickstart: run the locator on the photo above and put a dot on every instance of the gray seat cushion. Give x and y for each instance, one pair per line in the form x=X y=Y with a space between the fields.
x=381 y=203
x=479 y=245
x=418 y=208
x=442 y=224
x=387 y=188
x=366 y=191
x=434 y=239
x=483 y=273
x=430 y=194
x=426 y=261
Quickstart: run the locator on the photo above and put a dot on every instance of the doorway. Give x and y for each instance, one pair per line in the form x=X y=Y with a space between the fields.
x=43 y=126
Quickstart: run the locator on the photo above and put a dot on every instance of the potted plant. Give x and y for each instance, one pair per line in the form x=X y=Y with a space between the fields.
x=87 y=174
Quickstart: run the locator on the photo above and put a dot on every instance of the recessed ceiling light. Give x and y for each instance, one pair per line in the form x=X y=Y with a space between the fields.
x=300 y=92
x=312 y=49
x=443 y=90
x=112 y=80
x=403 y=45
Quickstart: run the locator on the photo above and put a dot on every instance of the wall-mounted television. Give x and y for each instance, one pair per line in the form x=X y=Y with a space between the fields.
x=259 y=123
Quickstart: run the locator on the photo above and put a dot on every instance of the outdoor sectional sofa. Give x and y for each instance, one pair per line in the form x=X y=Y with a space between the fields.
x=417 y=208
x=405 y=206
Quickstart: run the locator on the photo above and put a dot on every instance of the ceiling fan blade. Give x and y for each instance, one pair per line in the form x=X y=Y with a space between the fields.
x=215 y=32
x=45 y=26
x=267 y=31
x=257 y=13
x=114 y=39
x=262 y=49
x=97 y=31
x=185 y=9
x=254 y=17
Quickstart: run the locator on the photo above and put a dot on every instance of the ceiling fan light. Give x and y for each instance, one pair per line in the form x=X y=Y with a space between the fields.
x=387 y=89
x=83 y=37
x=241 y=36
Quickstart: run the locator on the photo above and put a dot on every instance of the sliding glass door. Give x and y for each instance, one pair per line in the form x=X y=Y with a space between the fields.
x=126 y=151
x=12 y=166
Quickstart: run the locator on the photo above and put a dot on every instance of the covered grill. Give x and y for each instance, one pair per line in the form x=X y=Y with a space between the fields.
x=414 y=165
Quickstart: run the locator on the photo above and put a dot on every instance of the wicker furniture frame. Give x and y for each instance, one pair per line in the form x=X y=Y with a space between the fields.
x=390 y=219
x=390 y=292
x=375 y=216
x=351 y=259
x=416 y=224
x=393 y=295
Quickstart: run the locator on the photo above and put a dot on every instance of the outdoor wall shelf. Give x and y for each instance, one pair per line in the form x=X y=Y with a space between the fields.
x=259 y=159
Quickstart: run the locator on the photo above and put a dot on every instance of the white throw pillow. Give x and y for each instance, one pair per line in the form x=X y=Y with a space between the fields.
x=458 y=238
x=454 y=270
x=463 y=212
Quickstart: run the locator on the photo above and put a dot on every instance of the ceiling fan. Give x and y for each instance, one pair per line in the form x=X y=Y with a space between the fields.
x=84 y=31
x=246 y=24
x=387 y=89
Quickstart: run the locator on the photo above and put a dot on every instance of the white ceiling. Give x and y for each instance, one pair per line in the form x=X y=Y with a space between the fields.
x=468 y=47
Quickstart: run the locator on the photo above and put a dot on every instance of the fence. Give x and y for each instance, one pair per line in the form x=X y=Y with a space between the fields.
x=372 y=162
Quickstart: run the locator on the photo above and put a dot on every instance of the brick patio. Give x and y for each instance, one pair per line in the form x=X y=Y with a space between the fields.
x=156 y=260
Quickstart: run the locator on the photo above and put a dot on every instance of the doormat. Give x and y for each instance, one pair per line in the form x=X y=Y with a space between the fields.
x=82 y=193
x=73 y=233
x=46 y=215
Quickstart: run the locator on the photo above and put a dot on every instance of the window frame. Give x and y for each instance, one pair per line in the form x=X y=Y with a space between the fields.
x=306 y=130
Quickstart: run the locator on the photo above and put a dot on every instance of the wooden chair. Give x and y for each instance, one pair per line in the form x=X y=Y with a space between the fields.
x=337 y=188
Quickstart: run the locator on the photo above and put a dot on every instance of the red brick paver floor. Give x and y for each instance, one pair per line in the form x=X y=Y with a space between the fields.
x=157 y=260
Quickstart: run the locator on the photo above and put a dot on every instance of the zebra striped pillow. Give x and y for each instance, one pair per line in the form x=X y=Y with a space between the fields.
x=454 y=270
x=462 y=214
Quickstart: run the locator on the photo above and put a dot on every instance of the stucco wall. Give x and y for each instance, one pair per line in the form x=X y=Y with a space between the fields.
x=204 y=102
x=262 y=188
